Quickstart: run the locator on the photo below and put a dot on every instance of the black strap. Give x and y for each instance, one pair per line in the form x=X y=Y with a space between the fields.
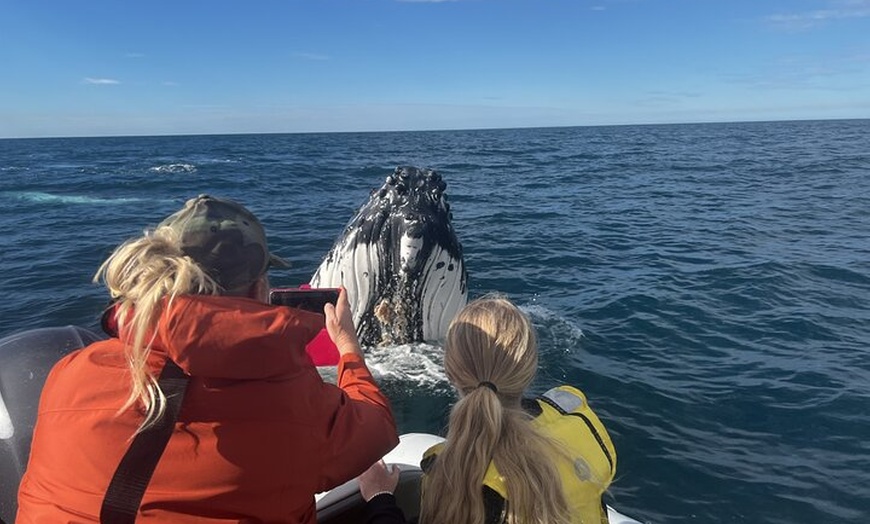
x=134 y=472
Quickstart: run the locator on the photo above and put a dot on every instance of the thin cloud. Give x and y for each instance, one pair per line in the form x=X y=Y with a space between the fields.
x=425 y=1
x=843 y=10
x=100 y=81
x=135 y=55
x=310 y=56
x=857 y=58
x=666 y=98
x=800 y=72
x=206 y=107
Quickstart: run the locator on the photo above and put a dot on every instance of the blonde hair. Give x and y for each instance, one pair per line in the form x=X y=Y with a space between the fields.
x=492 y=341
x=143 y=276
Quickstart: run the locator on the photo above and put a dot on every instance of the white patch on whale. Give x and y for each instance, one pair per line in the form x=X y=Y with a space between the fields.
x=444 y=292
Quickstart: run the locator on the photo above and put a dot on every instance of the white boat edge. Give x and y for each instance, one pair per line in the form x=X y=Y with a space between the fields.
x=407 y=456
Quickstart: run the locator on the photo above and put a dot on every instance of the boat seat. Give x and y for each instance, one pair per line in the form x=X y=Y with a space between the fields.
x=25 y=360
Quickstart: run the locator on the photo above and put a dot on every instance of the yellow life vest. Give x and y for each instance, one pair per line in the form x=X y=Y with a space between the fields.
x=590 y=464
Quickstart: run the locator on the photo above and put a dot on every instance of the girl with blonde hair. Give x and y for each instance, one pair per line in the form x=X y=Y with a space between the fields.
x=505 y=459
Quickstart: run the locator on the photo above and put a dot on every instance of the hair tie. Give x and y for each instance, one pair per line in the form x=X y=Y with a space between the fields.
x=488 y=384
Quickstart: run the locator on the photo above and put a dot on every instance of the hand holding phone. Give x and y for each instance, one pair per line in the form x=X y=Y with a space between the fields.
x=340 y=326
x=321 y=348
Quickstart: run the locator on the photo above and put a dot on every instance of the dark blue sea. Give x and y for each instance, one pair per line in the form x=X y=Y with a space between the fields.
x=707 y=285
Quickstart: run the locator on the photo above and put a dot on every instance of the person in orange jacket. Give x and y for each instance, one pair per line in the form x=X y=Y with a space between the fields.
x=258 y=433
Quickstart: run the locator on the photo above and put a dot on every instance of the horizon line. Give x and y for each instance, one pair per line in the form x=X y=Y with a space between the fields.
x=436 y=130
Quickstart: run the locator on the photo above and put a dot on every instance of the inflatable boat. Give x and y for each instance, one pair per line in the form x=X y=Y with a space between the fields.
x=27 y=357
x=344 y=505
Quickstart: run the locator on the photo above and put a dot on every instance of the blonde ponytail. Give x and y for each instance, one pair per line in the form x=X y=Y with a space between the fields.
x=453 y=484
x=490 y=356
x=143 y=276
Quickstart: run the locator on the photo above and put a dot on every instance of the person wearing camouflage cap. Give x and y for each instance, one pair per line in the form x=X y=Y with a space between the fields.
x=258 y=433
x=225 y=239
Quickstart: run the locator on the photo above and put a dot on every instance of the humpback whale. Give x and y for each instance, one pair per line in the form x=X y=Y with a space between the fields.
x=400 y=261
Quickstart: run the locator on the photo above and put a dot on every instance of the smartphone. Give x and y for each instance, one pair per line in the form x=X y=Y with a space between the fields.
x=309 y=299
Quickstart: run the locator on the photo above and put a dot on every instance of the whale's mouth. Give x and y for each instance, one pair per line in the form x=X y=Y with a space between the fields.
x=400 y=260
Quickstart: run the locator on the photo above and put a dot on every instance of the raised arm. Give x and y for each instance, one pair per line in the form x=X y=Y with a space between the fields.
x=361 y=429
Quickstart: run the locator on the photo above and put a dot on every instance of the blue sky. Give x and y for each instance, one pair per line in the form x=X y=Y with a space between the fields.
x=90 y=68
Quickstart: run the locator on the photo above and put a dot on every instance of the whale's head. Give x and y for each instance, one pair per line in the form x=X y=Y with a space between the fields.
x=400 y=261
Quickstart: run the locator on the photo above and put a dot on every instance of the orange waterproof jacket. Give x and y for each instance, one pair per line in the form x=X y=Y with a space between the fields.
x=258 y=435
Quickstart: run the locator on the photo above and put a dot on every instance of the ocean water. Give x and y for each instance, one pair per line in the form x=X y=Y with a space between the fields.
x=707 y=285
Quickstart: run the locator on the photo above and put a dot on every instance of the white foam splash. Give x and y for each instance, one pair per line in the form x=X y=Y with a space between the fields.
x=48 y=198
x=173 y=168
x=418 y=363
x=6 y=427
x=562 y=329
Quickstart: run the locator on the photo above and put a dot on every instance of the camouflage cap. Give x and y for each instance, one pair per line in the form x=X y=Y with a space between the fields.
x=225 y=239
